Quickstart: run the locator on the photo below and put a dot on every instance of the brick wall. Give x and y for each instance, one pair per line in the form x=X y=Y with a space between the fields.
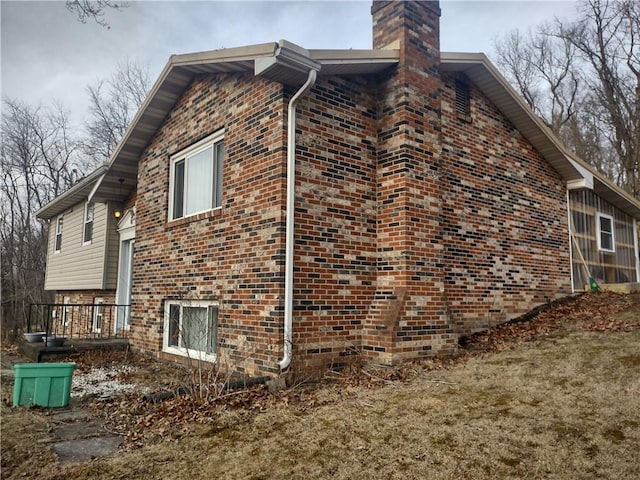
x=504 y=218
x=233 y=255
x=411 y=224
x=81 y=313
x=85 y=297
x=335 y=253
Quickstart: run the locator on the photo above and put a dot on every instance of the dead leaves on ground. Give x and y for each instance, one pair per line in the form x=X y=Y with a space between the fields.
x=143 y=422
x=589 y=312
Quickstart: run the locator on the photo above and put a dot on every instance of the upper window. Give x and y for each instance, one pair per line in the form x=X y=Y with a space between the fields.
x=191 y=328
x=195 y=184
x=59 y=234
x=87 y=234
x=606 y=235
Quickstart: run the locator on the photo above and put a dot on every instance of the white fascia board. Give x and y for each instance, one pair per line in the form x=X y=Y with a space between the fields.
x=95 y=187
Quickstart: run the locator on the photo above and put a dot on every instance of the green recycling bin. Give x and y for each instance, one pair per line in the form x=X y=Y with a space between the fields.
x=43 y=384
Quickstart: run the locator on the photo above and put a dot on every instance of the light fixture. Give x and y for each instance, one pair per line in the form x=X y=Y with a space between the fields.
x=118 y=210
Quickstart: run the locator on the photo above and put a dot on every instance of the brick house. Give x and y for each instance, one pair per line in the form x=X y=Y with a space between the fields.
x=283 y=207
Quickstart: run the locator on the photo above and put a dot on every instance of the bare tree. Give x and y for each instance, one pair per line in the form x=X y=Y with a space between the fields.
x=94 y=9
x=38 y=160
x=40 y=157
x=113 y=102
x=608 y=39
x=583 y=79
x=537 y=66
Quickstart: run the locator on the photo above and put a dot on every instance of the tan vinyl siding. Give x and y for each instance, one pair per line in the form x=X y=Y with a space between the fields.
x=77 y=266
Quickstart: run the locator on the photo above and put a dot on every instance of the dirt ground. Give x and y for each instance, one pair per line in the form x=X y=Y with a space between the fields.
x=554 y=397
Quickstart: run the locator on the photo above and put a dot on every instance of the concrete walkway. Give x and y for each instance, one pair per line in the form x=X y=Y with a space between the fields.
x=80 y=436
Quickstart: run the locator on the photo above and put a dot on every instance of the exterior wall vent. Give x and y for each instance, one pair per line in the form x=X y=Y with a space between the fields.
x=463 y=98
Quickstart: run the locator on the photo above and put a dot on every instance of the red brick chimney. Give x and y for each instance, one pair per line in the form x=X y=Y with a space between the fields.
x=412 y=26
x=410 y=298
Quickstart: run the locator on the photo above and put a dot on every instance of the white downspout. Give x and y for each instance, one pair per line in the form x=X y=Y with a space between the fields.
x=290 y=221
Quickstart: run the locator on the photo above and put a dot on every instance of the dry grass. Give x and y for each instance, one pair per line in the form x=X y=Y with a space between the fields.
x=24 y=437
x=566 y=406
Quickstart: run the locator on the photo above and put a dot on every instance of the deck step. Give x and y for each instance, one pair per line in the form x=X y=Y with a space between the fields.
x=38 y=352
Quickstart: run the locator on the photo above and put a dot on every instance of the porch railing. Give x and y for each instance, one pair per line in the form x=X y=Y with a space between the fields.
x=79 y=321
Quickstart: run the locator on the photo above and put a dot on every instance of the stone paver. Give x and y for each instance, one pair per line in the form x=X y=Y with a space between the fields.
x=79 y=430
x=80 y=436
x=84 y=449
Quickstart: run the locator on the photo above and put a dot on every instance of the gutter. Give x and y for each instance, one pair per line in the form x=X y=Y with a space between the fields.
x=290 y=220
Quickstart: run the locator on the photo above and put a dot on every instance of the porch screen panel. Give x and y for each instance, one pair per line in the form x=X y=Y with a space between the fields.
x=605 y=267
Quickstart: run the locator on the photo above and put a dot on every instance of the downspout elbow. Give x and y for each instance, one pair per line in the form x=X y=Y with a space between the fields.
x=290 y=220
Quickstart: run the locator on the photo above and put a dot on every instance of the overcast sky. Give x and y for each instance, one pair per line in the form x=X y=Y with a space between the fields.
x=48 y=55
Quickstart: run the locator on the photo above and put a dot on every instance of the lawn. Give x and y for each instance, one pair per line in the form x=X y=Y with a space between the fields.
x=554 y=398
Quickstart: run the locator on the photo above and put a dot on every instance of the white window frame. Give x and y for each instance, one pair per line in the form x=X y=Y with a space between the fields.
x=217 y=181
x=86 y=222
x=57 y=240
x=98 y=314
x=599 y=232
x=169 y=347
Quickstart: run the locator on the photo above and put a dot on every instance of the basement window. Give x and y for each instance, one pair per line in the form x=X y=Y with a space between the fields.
x=191 y=329
x=463 y=98
x=606 y=234
x=195 y=182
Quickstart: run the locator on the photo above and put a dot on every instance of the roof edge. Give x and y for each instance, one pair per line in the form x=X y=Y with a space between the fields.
x=585 y=171
x=475 y=58
x=55 y=206
x=348 y=56
x=248 y=52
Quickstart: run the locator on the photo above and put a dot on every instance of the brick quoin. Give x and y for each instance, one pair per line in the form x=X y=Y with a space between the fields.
x=412 y=225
